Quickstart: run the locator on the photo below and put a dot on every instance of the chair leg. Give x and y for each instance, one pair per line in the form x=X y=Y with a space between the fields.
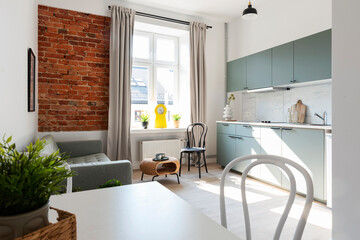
x=154 y=177
x=181 y=154
x=188 y=161
x=205 y=162
x=142 y=176
x=199 y=165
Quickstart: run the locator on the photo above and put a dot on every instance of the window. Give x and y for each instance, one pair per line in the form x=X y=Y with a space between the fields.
x=155 y=75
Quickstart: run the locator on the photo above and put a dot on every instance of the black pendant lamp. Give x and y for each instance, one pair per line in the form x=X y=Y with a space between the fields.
x=249 y=13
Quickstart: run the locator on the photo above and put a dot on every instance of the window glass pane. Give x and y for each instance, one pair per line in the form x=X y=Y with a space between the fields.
x=141 y=48
x=165 y=49
x=140 y=85
x=165 y=85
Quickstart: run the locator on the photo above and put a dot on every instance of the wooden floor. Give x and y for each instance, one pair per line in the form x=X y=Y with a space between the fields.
x=266 y=203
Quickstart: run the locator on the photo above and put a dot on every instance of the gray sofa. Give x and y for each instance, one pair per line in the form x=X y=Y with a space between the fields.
x=92 y=167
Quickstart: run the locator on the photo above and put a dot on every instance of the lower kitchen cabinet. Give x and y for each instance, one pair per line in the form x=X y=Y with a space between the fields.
x=306 y=147
x=225 y=148
x=247 y=146
x=271 y=145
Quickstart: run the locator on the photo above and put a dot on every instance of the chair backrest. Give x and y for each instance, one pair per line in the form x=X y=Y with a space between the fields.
x=196 y=135
x=280 y=162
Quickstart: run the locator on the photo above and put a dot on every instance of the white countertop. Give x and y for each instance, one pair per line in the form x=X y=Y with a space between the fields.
x=289 y=125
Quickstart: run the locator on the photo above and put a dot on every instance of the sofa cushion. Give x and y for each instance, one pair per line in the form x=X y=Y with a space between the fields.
x=85 y=160
x=50 y=146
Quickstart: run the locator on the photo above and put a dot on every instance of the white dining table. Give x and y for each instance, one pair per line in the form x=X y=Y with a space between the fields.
x=138 y=211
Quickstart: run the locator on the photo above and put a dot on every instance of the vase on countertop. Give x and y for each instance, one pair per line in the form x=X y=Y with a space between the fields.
x=227 y=113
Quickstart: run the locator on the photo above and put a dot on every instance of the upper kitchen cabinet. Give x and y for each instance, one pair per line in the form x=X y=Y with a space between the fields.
x=312 y=57
x=236 y=75
x=258 y=70
x=283 y=64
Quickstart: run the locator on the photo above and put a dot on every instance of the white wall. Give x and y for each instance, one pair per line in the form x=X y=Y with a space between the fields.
x=279 y=22
x=215 y=58
x=346 y=97
x=18 y=20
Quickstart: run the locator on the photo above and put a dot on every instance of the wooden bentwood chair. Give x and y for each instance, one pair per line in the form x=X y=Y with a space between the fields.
x=280 y=162
x=195 y=146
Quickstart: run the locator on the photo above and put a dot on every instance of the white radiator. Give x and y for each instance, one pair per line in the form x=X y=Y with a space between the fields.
x=171 y=147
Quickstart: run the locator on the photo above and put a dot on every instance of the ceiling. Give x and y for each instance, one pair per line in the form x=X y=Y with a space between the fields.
x=217 y=9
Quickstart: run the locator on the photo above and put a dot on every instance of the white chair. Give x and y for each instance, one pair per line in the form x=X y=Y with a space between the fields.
x=280 y=162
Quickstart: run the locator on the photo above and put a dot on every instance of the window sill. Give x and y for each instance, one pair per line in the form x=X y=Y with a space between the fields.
x=157 y=130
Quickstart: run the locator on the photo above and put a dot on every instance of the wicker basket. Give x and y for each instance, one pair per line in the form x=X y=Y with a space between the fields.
x=64 y=229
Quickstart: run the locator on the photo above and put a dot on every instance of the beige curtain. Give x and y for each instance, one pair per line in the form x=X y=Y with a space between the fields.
x=121 y=37
x=197 y=72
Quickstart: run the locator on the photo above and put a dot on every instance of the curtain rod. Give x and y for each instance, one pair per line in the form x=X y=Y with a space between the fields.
x=142 y=14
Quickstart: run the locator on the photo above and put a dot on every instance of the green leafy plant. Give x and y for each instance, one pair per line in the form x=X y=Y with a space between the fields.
x=27 y=180
x=145 y=117
x=111 y=183
x=230 y=98
x=176 y=117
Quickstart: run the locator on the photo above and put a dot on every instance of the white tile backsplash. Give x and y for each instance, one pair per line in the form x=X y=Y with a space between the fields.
x=273 y=106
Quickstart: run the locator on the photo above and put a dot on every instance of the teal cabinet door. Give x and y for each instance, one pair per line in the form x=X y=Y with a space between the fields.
x=283 y=64
x=236 y=75
x=258 y=70
x=306 y=147
x=312 y=57
x=271 y=145
x=225 y=149
x=247 y=146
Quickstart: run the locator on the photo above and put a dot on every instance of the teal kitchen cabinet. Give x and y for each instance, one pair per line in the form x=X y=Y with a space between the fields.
x=258 y=70
x=306 y=147
x=312 y=57
x=247 y=146
x=283 y=64
x=225 y=148
x=271 y=145
x=236 y=75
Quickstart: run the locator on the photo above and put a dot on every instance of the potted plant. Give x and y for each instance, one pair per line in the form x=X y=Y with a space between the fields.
x=176 y=118
x=227 y=110
x=27 y=180
x=145 y=120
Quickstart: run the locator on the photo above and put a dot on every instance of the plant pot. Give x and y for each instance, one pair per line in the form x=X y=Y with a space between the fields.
x=145 y=124
x=19 y=225
x=176 y=123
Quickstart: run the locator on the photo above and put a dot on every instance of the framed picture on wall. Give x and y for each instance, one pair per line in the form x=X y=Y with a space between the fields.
x=31 y=80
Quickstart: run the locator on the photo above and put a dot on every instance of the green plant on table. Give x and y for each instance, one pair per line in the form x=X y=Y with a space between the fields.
x=27 y=179
x=176 y=117
x=111 y=183
x=145 y=117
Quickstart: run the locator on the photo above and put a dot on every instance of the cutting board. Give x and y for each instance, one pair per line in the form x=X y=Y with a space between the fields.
x=300 y=110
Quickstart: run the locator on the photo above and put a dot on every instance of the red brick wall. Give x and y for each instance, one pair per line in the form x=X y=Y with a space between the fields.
x=73 y=55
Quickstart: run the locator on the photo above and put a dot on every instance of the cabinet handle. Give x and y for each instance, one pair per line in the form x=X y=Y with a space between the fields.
x=287 y=129
x=275 y=128
x=231 y=137
x=239 y=137
x=247 y=126
x=293 y=81
x=246 y=88
x=225 y=124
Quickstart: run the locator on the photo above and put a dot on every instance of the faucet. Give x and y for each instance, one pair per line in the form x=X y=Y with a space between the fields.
x=324 y=117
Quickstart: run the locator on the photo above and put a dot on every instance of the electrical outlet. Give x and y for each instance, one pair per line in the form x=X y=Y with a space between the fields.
x=247 y=114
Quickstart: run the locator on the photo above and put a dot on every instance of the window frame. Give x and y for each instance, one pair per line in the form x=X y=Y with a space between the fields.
x=176 y=53
x=153 y=64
